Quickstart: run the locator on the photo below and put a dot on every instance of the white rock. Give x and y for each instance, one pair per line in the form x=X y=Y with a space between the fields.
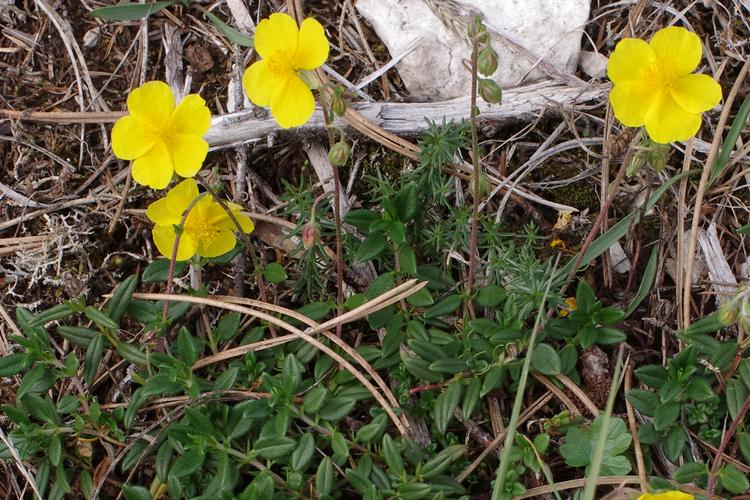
x=525 y=32
x=593 y=64
x=618 y=257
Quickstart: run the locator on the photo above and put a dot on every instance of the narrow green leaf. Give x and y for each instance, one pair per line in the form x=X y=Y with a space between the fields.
x=14 y=363
x=232 y=34
x=121 y=298
x=130 y=11
x=391 y=454
x=93 y=358
x=645 y=287
x=324 y=477
x=101 y=319
x=446 y=404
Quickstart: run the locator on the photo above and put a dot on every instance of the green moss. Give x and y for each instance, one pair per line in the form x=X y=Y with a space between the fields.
x=581 y=194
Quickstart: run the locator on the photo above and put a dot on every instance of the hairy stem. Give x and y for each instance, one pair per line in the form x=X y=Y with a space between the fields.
x=475 y=174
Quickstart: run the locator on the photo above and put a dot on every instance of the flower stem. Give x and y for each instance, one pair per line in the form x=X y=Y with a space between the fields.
x=327 y=114
x=475 y=173
x=245 y=238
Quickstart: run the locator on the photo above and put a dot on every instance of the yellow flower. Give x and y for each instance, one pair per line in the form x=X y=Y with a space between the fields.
x=667 y=495
x=557 y=242
x=275 y=80
x=160 y=138
x=208 y=230
x=570 y=306
x=654 y=85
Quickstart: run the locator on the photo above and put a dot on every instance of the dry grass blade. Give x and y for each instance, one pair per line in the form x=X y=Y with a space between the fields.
x=579 y=393
x=530 y=411
x=558 y=393
x=376 y=304
x=19 y=463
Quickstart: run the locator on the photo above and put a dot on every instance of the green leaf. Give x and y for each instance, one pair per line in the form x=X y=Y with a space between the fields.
x=645 y=402
x=407 y=260
x=545 y=360
x=226 y=380
x=615 y=466
x=491 y=296
x=274 y=273
x=733 y=480
x=55 y=450
x=12 y=364
x=391 y=455
x=739 y=123
x=492 y=380
x=442 y=460
x=187 y=463
x=448 y=365
x=187 y=347
x=645 y=287
x=324 y=477
x=419 y=367
x=93 y=357
x=77 y=335
x=121 y=298
x=422 y=298
x=471 y=399
x=102 y=320
x=407 y=202
x=665 y=415
x=699 y=390
x=707 y=324
x=158 y=271
x=130 y=11
x=652 y=375
x=274 y=447
x=55 y=313
x=336 y=408
x=303 y=453
x=372 y=431
x=361 y=219
x=232 y=34
x=444 y=307
x=39 y=379
x=229 y=326
x=371 y=247
x=132 y=353
x=674 y=442
x=689 y=472
x=724 y=355
x=446 y=404
x=315 y=310
x=736 y=395
x=585 y=298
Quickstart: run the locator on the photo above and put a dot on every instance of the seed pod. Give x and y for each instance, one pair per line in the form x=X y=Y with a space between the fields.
x=490 y=91
x=487 y=60
x=728 y=312
x=338 y=104
x=339 y=154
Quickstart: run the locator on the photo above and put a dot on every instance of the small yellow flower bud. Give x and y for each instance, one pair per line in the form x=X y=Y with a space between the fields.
x=339 y=154
x=310 y=235
x=728 y=312
x=490 y=91
x=487 y=60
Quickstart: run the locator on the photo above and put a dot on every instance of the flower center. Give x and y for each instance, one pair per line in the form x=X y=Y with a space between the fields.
x=660 y=75
x=281 y=63
x=202 y=231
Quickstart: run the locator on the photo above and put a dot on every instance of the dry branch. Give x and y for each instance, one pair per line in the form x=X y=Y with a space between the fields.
x=408 y=118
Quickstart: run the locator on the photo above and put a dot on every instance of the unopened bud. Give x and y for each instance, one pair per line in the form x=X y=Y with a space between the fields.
x=487 y=61
x=310 y=235
x=339 y=154
x=477 y=30
x=490 y=91
x=728 y=313
x=338 y=104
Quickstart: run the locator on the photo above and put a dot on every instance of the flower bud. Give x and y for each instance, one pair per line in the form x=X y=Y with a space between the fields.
x=310 y=235
x=338 y=104
x=477 y=30
x=728 y=312
x=339 y=154
x=490 y=91
x=487 y=60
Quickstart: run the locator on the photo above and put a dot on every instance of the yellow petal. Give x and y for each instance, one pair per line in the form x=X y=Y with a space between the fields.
x=154 y=169
x=260 y=83
x=164 y=237
x=667 y=122
x=182 y=195
x=630 y=60
x=293 y=103
x=696 y=93
x=313 y=47
x=131 y=139
x=668 y=495
x=630 y=101
x=188 y=153
x=152 y=103
x=163 y=213
x=221 y=244
x=277 y=33
x=191 y=116
x=245 y=222
x=678 y=48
